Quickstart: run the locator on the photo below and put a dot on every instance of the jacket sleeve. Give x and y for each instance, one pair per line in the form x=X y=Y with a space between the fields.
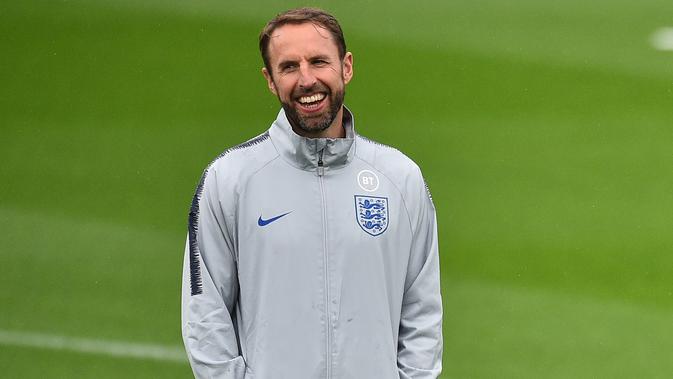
x=209 y=289
x=419 y=351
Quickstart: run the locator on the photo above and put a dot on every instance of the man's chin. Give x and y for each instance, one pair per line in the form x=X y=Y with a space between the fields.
x=312 y=125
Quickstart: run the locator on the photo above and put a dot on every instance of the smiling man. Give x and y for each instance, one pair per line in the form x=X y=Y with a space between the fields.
x=309 y=73
x=312 y=251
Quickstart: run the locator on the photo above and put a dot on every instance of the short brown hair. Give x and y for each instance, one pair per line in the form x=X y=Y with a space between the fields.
x=298 y=16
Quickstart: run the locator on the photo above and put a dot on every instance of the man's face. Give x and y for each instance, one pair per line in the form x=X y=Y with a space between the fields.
x=308 y=76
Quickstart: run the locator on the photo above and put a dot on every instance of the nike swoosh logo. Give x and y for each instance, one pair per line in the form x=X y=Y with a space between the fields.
x=262 y=222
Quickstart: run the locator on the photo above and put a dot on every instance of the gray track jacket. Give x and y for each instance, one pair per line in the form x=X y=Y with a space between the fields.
x=312 y=258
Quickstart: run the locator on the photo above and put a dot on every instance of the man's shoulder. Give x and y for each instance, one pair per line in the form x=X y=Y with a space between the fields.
x=246 y=155
x=241 y=160
x=383 y=157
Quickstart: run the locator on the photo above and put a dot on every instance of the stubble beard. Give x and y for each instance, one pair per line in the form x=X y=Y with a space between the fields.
x=318 y=123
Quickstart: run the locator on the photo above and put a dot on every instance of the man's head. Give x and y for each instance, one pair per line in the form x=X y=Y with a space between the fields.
x=306 y=65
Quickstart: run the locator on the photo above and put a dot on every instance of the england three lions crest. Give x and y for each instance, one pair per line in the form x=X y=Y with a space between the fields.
x=372 y=214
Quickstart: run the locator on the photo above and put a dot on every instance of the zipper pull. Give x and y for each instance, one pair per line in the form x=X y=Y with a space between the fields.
x=321 y=168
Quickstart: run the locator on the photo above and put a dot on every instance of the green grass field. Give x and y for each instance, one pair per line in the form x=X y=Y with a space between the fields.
x=544 y=129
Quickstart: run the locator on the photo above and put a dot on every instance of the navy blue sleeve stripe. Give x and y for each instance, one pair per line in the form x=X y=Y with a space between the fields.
x=195 y=279
x=194 y=253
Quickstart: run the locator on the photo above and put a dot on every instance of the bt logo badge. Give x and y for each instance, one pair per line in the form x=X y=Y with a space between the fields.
x=368 y=181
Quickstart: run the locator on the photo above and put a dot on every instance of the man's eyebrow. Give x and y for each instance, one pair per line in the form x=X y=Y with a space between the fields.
x=287 y=62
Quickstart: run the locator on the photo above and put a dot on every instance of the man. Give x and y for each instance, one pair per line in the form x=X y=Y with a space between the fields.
x=312 y=252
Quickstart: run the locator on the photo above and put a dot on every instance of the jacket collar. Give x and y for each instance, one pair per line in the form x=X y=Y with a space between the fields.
x=304 y=153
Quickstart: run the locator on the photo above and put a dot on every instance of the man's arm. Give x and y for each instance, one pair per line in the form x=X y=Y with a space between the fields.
x=419 y=351
x=209 y=289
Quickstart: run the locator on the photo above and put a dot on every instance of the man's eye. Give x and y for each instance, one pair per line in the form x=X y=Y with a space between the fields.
x=288 y=68
x=319 y=62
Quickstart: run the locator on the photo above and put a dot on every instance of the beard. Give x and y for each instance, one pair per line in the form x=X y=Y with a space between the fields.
x=316 y=123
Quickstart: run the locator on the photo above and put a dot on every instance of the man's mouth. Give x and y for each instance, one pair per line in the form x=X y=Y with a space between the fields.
x=311 y=102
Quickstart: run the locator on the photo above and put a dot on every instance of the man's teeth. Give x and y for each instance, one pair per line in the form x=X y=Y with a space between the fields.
x=311 y=99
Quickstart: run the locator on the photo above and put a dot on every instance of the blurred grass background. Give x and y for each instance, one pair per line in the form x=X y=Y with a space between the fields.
x=543 y=129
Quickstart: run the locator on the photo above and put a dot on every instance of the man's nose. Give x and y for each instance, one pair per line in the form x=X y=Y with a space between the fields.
x=306 y=77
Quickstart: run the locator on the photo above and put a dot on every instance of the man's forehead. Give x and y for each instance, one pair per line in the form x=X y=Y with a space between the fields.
x=307 y=35
x=303 y=28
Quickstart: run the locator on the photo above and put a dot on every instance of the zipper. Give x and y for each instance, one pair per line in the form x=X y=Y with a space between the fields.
x=321 y=168
x=328 y=347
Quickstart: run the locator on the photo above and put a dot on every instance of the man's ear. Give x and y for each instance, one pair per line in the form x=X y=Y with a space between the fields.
x=347 y=66
x=269 y=81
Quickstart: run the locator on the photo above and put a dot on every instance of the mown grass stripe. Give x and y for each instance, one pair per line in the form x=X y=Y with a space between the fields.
x=93 y=346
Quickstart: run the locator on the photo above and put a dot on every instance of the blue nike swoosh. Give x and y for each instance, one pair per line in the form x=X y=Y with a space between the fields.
x=262 y=222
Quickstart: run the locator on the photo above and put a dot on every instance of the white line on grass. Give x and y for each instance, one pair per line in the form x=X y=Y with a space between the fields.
x=93 y=346
x=662 y=39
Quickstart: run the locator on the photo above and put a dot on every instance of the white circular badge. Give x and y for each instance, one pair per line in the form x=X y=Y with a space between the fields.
x=368 y=181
